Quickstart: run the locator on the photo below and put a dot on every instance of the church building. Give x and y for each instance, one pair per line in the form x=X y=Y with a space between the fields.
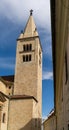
x=21 y=93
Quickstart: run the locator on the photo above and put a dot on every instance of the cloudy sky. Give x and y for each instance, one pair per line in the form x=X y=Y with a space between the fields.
x=13 y=18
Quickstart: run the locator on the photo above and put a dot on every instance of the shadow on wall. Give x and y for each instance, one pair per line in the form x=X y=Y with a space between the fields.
x=33 y=124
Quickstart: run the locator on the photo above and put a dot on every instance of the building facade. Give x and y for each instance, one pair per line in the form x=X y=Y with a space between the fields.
x=21 y=108
x=60 y=47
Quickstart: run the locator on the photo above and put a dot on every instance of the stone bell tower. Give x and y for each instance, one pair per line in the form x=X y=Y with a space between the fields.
x=28 y=69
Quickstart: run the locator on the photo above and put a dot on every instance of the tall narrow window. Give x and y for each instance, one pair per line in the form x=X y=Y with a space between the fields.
x=26 y=57
x=3 y=119
x=23 y=58
x=30 y=46
x=66 y=71
x=29 y=57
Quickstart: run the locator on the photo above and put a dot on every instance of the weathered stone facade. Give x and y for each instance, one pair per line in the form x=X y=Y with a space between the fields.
x=21 y=117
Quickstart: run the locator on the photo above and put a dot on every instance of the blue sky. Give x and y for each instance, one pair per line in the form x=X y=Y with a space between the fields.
x=13 y=17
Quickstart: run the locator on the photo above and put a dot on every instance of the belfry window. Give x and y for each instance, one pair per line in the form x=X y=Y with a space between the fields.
x=30 y=47
x=27 y=47
x=24 y=58
x=27 y=58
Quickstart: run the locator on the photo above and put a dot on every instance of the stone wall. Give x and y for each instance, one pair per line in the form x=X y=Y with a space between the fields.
x=21 y=114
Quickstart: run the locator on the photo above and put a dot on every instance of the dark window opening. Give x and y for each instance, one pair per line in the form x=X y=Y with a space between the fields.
x=27 y=58
x=27 y=47
x=3 y=120
x=30 y=47
x=9 y=87
x=23 y=58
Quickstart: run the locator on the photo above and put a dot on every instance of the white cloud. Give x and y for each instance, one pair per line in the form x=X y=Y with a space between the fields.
x=7 y=63
x=47 y=75
x=18 y=10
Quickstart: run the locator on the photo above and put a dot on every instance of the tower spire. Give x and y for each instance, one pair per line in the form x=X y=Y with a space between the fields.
x=30 y=29
x=31 y=11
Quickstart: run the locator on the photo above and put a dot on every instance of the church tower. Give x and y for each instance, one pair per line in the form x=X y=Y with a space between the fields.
x=28 y=70
x=25 y=104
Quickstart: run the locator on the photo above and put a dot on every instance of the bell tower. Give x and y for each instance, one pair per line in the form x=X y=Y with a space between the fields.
x=28 y=69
